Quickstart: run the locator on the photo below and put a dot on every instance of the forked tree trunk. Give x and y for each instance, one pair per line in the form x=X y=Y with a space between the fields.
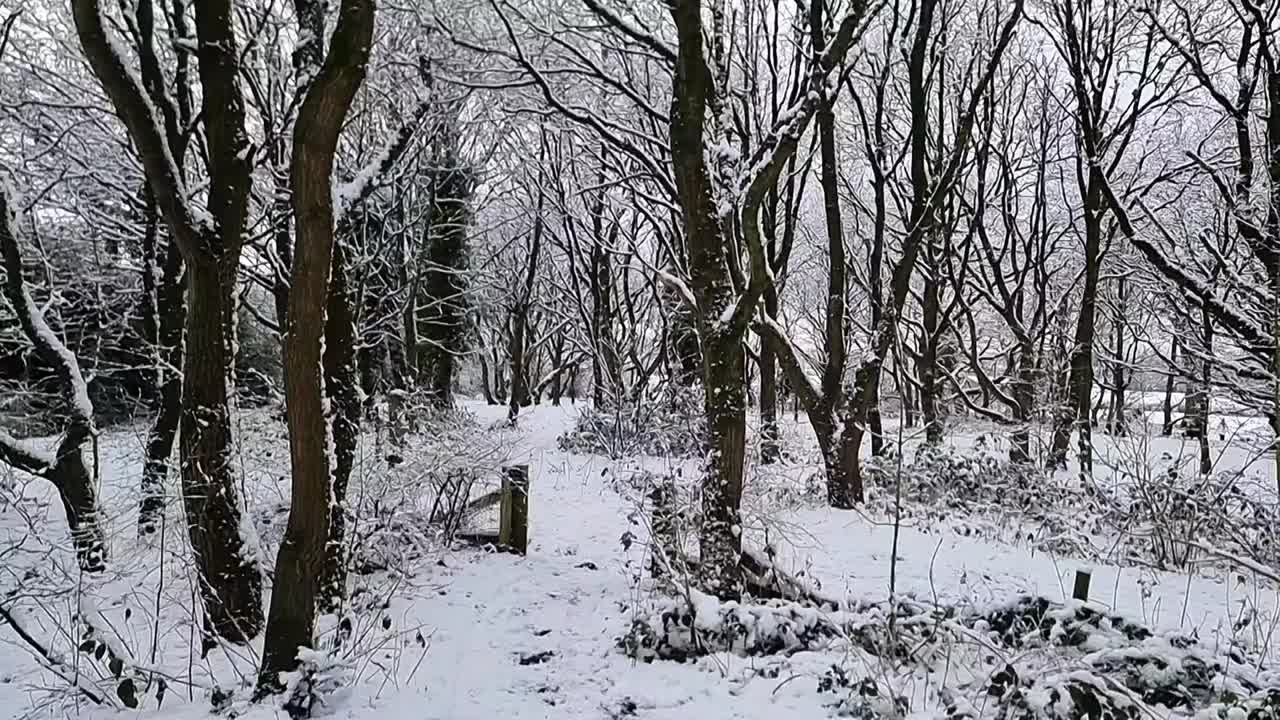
x=303 y=557
x=210 y=239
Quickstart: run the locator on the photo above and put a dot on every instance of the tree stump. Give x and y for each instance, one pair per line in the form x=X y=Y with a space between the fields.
x=513 y=528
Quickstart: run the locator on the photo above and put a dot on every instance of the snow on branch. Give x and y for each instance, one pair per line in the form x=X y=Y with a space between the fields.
x=680 y=287
x=51 y=349
x=1259 y=340
x=107 y=58
x=634 y=32
x=348 y=195
x=24 y=455
x=806 y=387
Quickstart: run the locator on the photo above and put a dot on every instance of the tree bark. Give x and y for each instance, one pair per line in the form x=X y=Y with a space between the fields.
x=1024 y=394
x=1166 y=427
x=341 y=386
x=770 y=445
x=1075 y=413
x=164 y=429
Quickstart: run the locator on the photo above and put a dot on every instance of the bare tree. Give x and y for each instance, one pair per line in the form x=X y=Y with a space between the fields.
x=210 y=240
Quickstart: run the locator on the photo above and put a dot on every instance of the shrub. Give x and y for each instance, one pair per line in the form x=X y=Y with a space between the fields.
x=669 y=426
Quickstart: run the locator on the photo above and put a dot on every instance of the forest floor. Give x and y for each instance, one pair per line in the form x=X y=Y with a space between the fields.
x=470 y=634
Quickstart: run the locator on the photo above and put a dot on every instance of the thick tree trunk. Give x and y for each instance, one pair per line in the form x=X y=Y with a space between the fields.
x=231 y=584
x=725 y=404
x=304 y=552
x=71 y=475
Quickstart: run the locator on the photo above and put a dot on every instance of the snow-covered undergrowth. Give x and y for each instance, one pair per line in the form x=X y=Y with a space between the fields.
x=669 y=425
x=447 y=631
x=1029 y=658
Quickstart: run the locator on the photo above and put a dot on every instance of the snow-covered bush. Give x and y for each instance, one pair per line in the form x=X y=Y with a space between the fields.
x=402 y=510
x=671 y=425
x=1165 y=512
x=1029 y=658
x=942 y=484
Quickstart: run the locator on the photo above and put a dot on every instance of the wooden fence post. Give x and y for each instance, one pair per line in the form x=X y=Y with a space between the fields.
x=513 y=528
x=1081 y=590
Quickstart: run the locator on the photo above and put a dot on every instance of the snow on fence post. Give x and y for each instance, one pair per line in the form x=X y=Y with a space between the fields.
x=1081 y=590
x=662 y=526
x=513 y=527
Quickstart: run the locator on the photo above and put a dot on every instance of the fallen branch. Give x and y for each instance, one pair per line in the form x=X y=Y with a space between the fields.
x=51 y=662
x=1240 y=560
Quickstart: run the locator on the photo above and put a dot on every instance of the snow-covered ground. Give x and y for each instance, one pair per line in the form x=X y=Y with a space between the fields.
x=536 y=636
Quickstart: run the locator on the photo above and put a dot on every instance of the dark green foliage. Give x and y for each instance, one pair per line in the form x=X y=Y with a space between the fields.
x=442 y=303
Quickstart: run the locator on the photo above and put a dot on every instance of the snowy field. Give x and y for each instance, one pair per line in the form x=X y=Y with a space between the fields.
x=464 y=634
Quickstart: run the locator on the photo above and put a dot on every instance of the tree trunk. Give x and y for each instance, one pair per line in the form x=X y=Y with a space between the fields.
x=303 y=556
x=1117 y=423
x=486 y=381
x=71 y=475
x=770 y=447
x=1075 y=414
x=726 y=410
x=875 y=423
x=341 y=387
x=1206 y=393
x=210 y=239
x=66 y=469
x=1024 y=395
x=928 y=359
x=231 y=584
x=519 y=390
x=1166 y=427
x=164 y=429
